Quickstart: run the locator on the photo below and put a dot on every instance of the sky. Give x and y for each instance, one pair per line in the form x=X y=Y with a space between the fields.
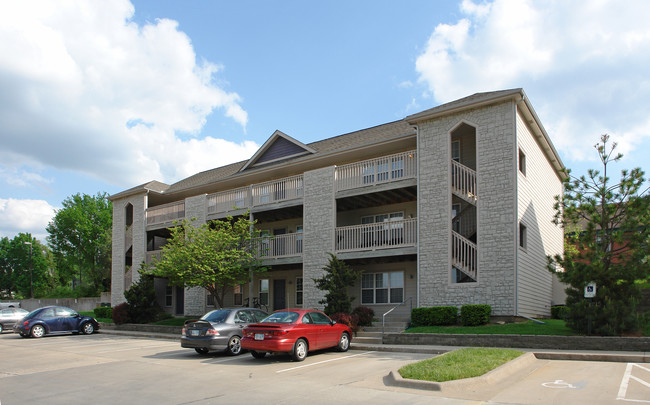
x=101 y=96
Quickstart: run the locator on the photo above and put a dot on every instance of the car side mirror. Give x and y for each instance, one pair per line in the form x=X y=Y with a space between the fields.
x=333 y=323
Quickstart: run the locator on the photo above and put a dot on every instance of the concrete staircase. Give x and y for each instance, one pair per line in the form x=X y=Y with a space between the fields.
x=372 y=334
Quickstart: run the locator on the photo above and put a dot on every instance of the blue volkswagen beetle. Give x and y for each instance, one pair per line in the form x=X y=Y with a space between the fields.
x=55 y=320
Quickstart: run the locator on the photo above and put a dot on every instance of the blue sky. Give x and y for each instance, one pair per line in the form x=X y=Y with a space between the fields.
x=102 y=96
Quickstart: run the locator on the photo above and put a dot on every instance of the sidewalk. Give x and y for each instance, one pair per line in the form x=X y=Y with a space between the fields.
x=546 y=354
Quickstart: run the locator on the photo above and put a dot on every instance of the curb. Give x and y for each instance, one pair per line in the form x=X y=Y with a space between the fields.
x=500 y=373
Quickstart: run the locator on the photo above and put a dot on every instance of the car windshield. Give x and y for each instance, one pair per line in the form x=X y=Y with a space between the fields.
x=216 y=316
x=281 y=317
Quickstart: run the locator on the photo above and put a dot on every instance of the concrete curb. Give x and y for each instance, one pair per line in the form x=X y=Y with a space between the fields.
x=500 y=373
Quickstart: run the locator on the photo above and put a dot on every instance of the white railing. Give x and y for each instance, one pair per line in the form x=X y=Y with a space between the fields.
x=279 y=245
x=464 y=254
x=380 y=235
x=463 y=181
x=277 y=190
x=225 y=201
x=376 y=171
x=166 y=213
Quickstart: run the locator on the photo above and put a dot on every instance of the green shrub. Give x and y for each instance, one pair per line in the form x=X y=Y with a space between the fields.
x=433 y=316
x=559 y=311
x=365 y=314
x=121 y=313
x=103 y=312
x=474 y=315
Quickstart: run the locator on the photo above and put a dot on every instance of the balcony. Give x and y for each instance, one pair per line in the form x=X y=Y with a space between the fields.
x=279 y=246
x=150 y=255
x=383 y=235
x=165 y=213
x=385 y=169
x=463 y=182
x=275 y=191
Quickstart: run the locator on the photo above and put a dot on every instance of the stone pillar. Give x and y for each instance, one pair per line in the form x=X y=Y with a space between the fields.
x=195 y=207
x=319 y=224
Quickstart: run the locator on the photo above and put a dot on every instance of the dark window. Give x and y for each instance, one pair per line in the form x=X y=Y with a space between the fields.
x=523 y=235
x=522 y=162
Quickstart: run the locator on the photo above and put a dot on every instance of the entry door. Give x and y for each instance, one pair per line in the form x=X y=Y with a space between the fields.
x=180 y=301
x=279 y=295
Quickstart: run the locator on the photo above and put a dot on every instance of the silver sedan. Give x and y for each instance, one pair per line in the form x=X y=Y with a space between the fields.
x=220 y=329
x=9 y=316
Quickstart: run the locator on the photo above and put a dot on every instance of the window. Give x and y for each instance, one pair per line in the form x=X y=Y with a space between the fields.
x=238 y=297
x=264 y=291
x=455 y=223
x=382 y=170
x=299 y=239
x=455 y=151
x=299 y=291
x=265 y=194
x=368 y=173
x=209 y=301
x=382 y=288
x=240 y=199
x=522 y=162
x=169 y=291
x=523 y=236
x=397 y=167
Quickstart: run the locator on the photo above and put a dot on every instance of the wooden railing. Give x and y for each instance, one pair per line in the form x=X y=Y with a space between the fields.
x=284 y=189
x=463 y=182
x=229 y=200
x=380 y=235
x=376 y=171
x=279 y=245
x=166 y=213
x=464 y=255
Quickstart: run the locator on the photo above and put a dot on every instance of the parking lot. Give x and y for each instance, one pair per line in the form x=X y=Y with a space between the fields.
x=105 y=369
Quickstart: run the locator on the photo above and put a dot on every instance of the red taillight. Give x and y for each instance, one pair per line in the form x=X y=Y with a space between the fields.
x=184 y=332
x=212 y=332
x=279 y=332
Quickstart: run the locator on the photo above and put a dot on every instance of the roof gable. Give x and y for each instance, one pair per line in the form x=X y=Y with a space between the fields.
x=279 y=146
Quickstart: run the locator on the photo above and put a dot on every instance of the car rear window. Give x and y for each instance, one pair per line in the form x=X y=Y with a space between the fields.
x=218 y=315
x=281 y=317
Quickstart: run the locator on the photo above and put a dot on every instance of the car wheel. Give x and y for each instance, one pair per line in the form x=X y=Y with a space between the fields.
x=88 y=328
x=299 y=352
x=344 y=342
x=202 y=350
x=234 y=346
x=258 y=355
x=37 y=331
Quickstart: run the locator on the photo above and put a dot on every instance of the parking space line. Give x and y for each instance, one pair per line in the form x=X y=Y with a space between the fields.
x=324 y=361
x=627 y=376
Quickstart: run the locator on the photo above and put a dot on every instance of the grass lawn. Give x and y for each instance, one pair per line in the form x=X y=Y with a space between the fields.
x=462 y=363
x=92 y=315
x=555 y=327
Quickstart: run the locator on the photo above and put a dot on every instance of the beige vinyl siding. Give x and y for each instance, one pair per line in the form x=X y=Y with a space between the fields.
x=536 y=191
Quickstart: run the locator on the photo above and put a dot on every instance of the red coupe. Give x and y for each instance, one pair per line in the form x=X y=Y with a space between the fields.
x=295 y=331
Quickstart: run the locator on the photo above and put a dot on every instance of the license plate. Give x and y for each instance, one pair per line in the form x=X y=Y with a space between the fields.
x=194 y=332
x=259 y=336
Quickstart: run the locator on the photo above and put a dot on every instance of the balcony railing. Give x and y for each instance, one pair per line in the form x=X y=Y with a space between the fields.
x=284 y=189
x=150 y=255
x=166 y=213
x=380 y=235
x=229 y=200
x=376 y=171
x=278 y=246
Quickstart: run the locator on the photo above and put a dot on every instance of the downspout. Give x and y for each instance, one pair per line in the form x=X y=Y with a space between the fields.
x=417 y=230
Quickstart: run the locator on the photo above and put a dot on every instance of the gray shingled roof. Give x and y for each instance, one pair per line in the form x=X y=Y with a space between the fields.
x=351 y=140
x=154 y=185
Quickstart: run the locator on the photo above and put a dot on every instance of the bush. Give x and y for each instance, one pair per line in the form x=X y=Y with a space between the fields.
x=103 y=312
x=559 y=311
x=352 y=321
x=432 y=316
x=143 y=303
x=365 y=314
x=474 y=315
x=121 y=313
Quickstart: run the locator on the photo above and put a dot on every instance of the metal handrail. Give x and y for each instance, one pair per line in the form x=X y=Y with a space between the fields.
x=383 y=317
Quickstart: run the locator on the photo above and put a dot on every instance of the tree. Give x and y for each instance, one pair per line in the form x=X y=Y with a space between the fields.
x=217 y=255
x=336 y=280
x=141 y=297
x=80 y=235
x=611 y=245
x=24 y=267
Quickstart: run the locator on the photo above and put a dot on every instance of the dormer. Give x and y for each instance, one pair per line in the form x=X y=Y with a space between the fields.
x=278 y=147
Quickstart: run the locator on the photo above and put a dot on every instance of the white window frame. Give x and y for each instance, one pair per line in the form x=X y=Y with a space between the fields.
x=387 y=281
x=299 y=291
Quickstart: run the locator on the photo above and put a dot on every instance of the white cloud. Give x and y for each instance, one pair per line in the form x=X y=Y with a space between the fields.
x=584 y=65
x=87 y=89
x=25 y=216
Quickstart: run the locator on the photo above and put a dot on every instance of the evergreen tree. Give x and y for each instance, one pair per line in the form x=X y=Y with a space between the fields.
x=336 y=280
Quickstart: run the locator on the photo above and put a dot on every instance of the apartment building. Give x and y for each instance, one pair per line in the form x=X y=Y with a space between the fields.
x=450 y=206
